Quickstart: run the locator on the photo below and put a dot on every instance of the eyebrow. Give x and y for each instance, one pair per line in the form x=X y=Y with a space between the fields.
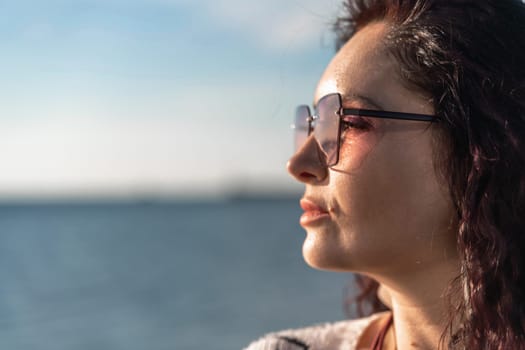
x=368 y=101
x=352 y=97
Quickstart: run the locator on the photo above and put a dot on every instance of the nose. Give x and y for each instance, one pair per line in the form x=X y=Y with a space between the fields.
x=308 y=164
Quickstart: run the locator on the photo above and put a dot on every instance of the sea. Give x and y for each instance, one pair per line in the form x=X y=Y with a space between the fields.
x=157 y=275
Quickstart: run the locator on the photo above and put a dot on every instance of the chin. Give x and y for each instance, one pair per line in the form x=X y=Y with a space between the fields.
x=323 y=255
x=324 y=251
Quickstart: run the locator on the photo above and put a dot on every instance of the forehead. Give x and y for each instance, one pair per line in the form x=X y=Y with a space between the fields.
x=367 y=76
x=361 y=67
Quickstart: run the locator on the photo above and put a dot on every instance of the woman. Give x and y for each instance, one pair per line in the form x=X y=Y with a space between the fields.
x=428 y=198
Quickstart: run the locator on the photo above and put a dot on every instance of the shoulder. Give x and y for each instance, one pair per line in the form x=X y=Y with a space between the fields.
x=335 y=336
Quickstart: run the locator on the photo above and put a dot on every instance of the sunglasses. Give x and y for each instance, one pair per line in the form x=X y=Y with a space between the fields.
x=330 y=118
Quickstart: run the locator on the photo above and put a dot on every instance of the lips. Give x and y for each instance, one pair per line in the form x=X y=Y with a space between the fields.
x=313 y=213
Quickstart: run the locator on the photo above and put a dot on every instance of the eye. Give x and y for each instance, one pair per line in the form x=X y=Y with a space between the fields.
x=355 y=122
x=353 y=125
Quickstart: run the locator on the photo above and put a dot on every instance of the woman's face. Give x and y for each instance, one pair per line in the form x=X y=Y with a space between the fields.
x=381 y=209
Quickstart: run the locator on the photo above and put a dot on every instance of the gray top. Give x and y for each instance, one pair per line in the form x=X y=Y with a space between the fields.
x=341 y=335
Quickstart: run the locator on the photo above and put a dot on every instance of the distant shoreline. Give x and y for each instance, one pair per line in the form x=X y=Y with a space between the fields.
x=148 y=199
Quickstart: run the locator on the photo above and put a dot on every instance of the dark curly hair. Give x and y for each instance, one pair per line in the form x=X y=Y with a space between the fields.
x=468 y=56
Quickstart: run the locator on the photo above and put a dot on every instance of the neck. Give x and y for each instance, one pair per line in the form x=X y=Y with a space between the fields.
x=419 y=306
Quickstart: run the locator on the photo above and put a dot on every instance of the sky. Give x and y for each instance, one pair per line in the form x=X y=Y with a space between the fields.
x=155 y=97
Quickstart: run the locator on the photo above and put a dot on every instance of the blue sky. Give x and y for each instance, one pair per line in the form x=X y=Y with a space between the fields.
x=154 y=97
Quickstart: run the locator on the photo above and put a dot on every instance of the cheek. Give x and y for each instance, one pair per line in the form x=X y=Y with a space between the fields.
x=387 y=173
x=389 y=203
x=354 y=150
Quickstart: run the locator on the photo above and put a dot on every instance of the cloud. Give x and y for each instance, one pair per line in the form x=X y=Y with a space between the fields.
x=276 y=25
x=89 y=128
x=273 y=24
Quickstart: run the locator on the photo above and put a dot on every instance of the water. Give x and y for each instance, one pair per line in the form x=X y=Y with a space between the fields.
x=157 y=276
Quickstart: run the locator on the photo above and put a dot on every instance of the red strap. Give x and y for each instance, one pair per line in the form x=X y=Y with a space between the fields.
x=380 y=337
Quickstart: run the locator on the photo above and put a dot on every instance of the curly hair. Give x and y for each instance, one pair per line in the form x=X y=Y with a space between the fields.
x=468 y=56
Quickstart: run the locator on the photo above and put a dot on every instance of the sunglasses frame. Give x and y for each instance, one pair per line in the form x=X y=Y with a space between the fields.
x=342 y=112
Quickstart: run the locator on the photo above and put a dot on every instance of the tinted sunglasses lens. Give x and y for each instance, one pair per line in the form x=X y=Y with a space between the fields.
x=302 y=113
x=326 y=127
